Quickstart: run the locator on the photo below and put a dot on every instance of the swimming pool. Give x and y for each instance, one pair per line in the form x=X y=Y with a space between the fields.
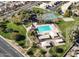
x=44 y=28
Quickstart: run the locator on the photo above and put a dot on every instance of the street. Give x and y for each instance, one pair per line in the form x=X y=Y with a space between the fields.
x=7 y=50
x=26 y=7
x=60 y=4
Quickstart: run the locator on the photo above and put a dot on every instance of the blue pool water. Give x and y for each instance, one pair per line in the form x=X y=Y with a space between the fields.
x=44 y=28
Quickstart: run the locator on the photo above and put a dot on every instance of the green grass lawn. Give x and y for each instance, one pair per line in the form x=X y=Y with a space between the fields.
x=63 y=26
x=13 y=26
x=20 y=28
x=53 y=52
x=11 y=35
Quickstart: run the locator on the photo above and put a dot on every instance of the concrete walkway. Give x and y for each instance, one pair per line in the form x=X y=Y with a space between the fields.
x=68 y=19
x=31 y=43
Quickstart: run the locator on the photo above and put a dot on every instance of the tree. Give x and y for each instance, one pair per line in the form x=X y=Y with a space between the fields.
x=20 y=37
x=13 y=15
x=8 y=30
x=35 y=45
x=43 y=52
x=4 y=19
x=30 y=52
x=18 y=23
x=68 y=13
x=53 y=53
x=59 y=50
x=54 y=56
x=38 y=10
x=3 y=26
x=22 y=43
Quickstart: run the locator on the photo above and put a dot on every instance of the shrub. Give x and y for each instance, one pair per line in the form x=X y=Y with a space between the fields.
x=54 y=56
x=30 y=52
x=34 y=45
x=59 y=22
x=19 y=37
x=8 y=30
x=43 y=51
x=22 y=43
x=59 y=50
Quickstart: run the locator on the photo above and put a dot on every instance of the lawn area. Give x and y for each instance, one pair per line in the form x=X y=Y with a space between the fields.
x=13 y=26
x=54 y=53
x=14 y=32
x=36 y=51
x=64 y=25
x=20 y=28
x=65 y=28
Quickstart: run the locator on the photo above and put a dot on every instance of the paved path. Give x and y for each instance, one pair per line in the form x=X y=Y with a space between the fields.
x=28 y=38
x=31 y=43
x=6 y=50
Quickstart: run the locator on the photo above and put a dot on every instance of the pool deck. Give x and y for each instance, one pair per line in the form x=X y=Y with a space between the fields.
x=54 y=29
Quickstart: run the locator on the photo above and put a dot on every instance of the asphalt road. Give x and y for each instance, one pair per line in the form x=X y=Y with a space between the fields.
x=60 y=4
x=6 y=50
x=26 y=7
